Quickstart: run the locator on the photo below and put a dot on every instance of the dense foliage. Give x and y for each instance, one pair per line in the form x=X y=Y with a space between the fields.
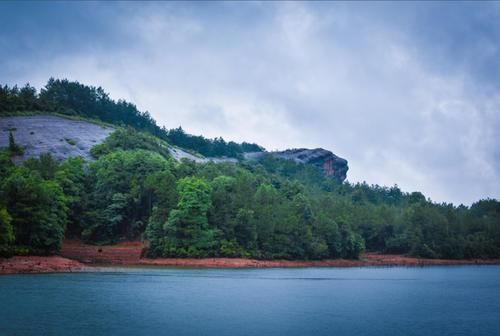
x=128 y=139
x=73 y=98
x=33 y=212
x=215 y=147
x=275 y=209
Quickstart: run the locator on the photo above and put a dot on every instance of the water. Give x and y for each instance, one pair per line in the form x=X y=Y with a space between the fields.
x=462 y=300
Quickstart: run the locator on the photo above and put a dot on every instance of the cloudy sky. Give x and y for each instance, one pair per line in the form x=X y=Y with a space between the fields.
x=408 y=93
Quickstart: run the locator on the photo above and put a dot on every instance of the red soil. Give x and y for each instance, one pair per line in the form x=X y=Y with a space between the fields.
x=131 y=254
x=34 y=264
x=128 y=253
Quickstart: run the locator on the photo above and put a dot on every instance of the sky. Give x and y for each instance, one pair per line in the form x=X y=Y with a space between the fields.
x=408 y=93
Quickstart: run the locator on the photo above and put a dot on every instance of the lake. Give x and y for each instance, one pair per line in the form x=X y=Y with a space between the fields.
x=461 y=300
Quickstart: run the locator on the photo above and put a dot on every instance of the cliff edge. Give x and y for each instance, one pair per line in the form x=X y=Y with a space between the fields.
x=330 y=164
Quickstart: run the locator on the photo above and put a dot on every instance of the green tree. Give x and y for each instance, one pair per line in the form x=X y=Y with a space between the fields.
x=223 y=212
x=187 y=231
x=71 y=175
x=6 y=231
x=163 y=185
x=38 y=210
x=246 y=229
x=45 y=165
x=14 y=148
x=6 y=164
x=265 y=207
x=121 y=200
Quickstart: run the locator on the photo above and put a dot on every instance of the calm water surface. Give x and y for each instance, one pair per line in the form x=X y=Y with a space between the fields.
x=462 y=300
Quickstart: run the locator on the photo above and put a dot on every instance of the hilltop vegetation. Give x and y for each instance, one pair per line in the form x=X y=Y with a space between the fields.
x=270 y=209
x=75 y=99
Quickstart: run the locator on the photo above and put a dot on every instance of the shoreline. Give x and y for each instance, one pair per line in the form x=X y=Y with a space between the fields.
x=58 y=264
x=367 y=260
x=76 y=256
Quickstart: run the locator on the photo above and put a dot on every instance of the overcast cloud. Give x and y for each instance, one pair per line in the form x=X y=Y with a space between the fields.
x=407 y=93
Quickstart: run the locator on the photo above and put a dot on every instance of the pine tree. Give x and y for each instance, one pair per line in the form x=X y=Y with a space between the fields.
x=14 y=148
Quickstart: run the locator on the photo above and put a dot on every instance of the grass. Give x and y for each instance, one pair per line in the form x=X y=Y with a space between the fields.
x=70 y=141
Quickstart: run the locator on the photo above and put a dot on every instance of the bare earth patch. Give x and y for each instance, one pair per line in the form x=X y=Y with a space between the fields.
x=35 y=264
x=131 y=253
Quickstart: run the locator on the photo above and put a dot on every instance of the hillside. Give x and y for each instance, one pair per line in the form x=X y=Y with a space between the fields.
x=127 y=182
x=64 y=138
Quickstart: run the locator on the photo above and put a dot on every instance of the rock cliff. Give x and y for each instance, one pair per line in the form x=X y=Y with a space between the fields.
x=330 y=164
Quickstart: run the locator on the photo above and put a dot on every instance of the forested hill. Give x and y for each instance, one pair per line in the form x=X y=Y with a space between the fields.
x=270 y=208
x=75 y=99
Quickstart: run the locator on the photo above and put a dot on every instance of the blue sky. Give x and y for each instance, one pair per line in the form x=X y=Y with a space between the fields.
x=407 y=92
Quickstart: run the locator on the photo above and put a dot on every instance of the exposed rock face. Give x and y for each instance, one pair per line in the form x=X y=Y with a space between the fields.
x=63 y=138
x=330 y=164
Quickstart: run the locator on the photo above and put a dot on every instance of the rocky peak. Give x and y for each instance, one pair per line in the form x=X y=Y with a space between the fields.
x=330 y=164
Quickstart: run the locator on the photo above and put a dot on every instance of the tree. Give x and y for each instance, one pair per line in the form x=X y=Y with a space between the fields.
x=121 y=199
x=163 y=186
x=28 y=99
x=45 y=165
x=38 y=210
x=327 y=232
x=71 y=175
x=293 y=232
x=6 y=231
x=14 y=148
x=6 y=164
x=246 y=229
x=187 y=231
x=265 y=206
x=222 y=214
x=352 y=245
